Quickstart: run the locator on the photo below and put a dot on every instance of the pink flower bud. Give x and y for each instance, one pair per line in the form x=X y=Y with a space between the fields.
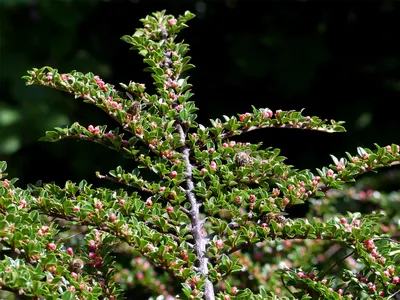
x=51 y=246
x=234 y=290
x=93 y=129
x=113 y=217
x=98 y=205
x=76 y=276
x=275 y=192
x=213 y=165
x=92 y=246
x=363 y=280
x=243 y=116
x=268 y=113
x=173 y=174
x=391 y=270
x=70 y=251
x=382 y=260
x=172 y=22
x=219 y=244
x=285 y=201
x=22 y=204
x=330 y=173
x=370 y=244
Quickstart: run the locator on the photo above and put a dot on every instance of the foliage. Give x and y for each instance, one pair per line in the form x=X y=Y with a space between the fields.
x=198 y=208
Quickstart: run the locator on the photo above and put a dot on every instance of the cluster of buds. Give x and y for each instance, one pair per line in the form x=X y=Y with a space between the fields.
x=374 y=254
x=267 y=113
x=100 y=83
x=242 y=117
x=43 y=230
x=94 y=255
x=111 y=103
x=94 y=130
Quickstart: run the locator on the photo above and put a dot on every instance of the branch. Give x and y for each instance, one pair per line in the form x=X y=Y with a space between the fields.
x=197 y=223
x=291 y=126
x=140 y=188
x=265 y=118
x=337 y=263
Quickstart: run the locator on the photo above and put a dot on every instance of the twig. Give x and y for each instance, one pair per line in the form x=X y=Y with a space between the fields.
x=337 y=263
x=284 y=284
x=394 y=294
x=141 y=188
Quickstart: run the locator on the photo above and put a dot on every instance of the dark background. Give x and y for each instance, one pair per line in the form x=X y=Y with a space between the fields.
x=337 y=59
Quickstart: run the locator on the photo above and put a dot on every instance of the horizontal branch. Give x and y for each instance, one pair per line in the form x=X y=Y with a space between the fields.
x=265 y=118
x=289 y=126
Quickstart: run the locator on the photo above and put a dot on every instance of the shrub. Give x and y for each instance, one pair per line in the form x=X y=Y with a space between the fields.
x=200 y=215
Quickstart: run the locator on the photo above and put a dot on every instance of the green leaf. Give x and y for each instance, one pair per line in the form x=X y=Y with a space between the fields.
x=67 y=296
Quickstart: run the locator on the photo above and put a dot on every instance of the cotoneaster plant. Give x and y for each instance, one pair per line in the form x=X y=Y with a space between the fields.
x=201 y=216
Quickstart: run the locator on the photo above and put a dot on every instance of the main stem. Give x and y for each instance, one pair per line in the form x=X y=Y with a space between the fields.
x=197 y=223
